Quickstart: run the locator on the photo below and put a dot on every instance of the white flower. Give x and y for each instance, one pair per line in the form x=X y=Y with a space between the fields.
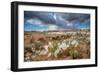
x=44 y=51
x=75 y=43
x=50 y=44
x=46 y=47
x=63 y=46
x=49 y=54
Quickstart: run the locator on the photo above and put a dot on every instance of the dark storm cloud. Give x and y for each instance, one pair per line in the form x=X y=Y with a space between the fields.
x=75 y=17
x=62 y=20
x=43 y=16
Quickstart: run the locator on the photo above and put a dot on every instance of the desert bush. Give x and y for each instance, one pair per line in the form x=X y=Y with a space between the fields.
x=44 y=46
x=74 y=53
x=53 y=48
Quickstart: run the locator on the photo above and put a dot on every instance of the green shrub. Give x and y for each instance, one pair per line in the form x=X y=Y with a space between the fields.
x=73 y=53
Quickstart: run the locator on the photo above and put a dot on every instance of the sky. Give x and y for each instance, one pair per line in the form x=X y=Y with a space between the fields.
x=55 y=21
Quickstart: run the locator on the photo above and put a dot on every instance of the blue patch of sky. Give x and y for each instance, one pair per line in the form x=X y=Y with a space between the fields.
x=34 y=27
x=84 y=26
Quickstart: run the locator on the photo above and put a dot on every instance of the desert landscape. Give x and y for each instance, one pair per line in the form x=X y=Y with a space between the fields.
x=56 y=45
x=50 y=36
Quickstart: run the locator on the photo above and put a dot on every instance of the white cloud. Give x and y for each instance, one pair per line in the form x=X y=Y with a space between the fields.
x=69 y=24
x=34 y=21
x=52 y=27
x=66 y=21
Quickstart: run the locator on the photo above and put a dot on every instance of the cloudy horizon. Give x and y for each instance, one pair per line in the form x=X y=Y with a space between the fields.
x=50 y=21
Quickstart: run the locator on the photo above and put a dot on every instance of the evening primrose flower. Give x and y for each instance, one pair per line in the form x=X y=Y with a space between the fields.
x=64 y=46
x=75 y=43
